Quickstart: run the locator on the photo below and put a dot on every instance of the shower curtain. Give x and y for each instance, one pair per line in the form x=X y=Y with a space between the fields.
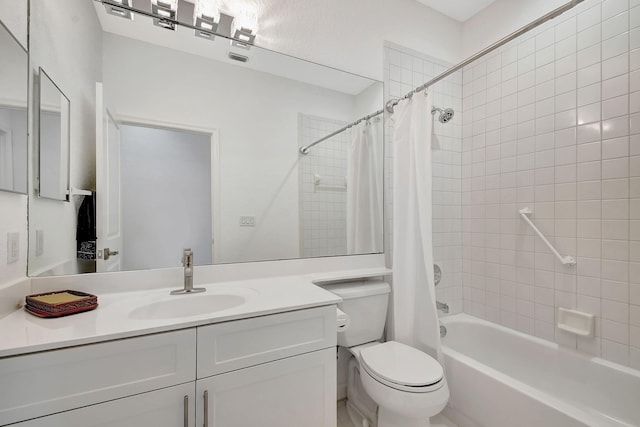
x=364 y=190
x=415 y=319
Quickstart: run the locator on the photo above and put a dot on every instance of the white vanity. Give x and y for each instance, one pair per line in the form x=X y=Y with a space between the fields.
x=268 y=361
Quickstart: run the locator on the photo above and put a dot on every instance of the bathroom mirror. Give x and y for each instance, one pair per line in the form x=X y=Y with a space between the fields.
x=13 y=113
x=198 y=145
x=53 y=115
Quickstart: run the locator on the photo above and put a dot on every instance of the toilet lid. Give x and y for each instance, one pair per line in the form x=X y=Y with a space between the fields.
x=400 y=364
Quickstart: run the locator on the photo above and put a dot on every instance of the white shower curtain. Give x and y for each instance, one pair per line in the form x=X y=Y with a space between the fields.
x=364 y=189
x=415 y=319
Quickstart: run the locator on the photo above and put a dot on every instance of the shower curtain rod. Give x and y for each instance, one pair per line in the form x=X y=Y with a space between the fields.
x=305 y=150
x=549 y=16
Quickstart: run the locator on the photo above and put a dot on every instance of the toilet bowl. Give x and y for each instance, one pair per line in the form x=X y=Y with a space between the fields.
x=407 y=384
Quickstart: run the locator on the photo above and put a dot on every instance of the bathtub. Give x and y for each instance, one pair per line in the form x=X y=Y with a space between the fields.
x=499 y=377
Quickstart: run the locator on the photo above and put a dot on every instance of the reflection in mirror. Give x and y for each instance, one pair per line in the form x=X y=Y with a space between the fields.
x=13 y=114
x=54 y=140
x=196 y=149
x=181 y=165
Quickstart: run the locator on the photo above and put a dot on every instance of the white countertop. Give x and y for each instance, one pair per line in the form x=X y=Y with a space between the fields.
x=23 y=333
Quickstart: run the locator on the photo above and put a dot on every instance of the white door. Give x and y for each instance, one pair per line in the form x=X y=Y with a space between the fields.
x=296 y=391
x=108 y=207
x=168 y=407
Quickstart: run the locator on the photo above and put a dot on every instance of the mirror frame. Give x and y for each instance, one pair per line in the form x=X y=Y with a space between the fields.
x=27 y=109
x=65 y=111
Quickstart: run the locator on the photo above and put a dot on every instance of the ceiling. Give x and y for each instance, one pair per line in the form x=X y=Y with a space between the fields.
x=460 y=10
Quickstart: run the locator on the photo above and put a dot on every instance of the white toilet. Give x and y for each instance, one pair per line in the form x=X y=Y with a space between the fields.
x=408 y=385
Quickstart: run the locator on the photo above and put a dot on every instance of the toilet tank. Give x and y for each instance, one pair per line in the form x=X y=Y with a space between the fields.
x=365 y=302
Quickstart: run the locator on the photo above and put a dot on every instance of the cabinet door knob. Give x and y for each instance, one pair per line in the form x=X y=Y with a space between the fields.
x=186 y=411
x=206 y=408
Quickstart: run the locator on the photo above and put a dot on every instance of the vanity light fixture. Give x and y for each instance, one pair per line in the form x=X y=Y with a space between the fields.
x=244 y=28
x=206 y=16
x=119 y=11
x=165 y=12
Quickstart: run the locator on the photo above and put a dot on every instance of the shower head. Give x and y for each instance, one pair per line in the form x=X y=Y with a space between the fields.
x=445 y=115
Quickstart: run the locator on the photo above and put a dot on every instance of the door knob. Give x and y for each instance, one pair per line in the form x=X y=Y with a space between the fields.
x=106 y=253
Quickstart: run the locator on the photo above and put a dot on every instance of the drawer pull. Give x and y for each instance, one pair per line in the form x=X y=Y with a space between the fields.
x=186 y=411
x=206 y=408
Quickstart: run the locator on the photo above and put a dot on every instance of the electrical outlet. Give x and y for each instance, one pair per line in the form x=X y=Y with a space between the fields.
x=13 y=247
x=39 y=242
x=247 y=221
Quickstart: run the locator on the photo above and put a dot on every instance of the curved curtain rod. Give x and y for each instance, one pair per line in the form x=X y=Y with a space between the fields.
x=305 y=150
x=549 y=16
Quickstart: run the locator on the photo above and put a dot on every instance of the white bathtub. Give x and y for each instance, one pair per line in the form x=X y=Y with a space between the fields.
x=502 y=378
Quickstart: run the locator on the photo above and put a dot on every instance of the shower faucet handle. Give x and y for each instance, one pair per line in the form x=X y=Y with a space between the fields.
x=437 y=274
x=442 y=306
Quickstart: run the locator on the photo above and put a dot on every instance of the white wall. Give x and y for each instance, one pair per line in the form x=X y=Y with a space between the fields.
x=350 y=34
x=13 y=207
x=13 y=14
x=500 y=19
x=14 y=123
x=257 y=119
x=166 y=197
x=369 y=100
x=66 y=43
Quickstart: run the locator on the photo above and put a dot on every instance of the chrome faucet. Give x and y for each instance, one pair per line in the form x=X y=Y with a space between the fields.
x=444 y=307
x=187 y=263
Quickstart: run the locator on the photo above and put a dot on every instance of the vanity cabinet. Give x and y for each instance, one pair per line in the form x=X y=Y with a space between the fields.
x=272 y=370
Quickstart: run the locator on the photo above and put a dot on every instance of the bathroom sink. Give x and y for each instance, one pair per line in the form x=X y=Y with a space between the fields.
x=187 y=306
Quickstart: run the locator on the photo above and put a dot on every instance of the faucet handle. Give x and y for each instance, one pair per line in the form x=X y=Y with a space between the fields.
x=187 y=257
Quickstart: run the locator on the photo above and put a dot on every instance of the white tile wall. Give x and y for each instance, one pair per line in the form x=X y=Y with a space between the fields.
x=551 y=121
x=323 y=207
x=404 y=70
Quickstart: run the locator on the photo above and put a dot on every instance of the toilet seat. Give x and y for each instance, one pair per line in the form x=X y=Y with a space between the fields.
x=402 y=367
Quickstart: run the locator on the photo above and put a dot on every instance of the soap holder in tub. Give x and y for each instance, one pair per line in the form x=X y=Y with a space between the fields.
x=576 y=322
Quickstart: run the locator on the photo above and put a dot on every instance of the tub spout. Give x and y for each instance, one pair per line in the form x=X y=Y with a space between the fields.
x=444 y=307
x=443 y=331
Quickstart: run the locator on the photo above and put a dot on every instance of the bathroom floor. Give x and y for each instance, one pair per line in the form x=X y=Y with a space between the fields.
x=344 y=421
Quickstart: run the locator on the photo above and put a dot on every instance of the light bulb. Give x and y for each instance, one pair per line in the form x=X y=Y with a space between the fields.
x=168 y=4
x=207 y=9
x=247 y=20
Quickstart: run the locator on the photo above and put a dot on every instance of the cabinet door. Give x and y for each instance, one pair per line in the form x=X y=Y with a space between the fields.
x=296 y=391
x=161 y=408
x=229 y=346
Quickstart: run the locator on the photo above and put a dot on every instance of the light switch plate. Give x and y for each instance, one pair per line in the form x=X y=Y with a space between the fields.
x=13 y=247
x=247 y=221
